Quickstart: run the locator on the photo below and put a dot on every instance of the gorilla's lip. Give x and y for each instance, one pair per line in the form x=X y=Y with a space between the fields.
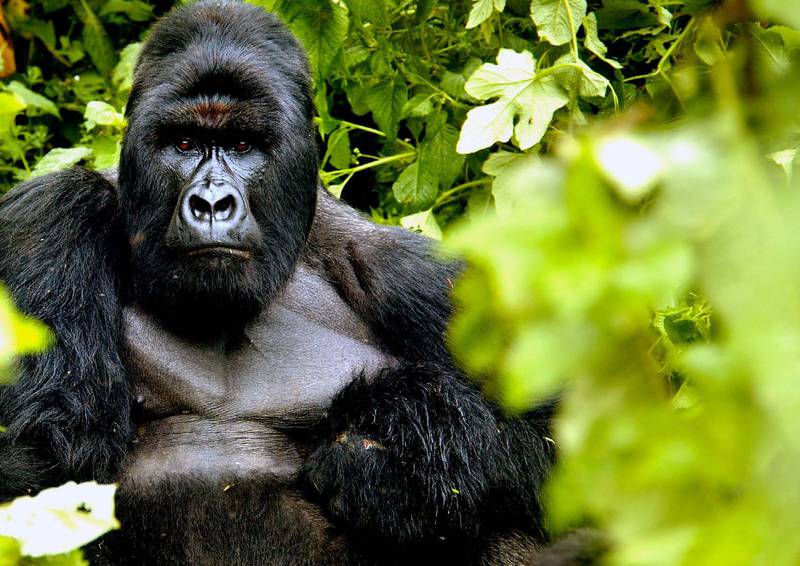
x=221 y=249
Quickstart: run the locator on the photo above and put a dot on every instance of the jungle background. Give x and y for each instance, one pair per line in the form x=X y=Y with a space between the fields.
x=621 y=176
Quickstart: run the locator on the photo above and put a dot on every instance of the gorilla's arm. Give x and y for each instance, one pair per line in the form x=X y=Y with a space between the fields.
x=416 y=452
x=66 y=417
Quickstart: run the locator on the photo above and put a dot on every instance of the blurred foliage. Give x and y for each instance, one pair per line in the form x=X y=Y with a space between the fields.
x=19 y=335
x=622 y=176
x=48 y=529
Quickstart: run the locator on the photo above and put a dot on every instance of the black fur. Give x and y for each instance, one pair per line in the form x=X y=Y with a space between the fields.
x=62 y=257
x=411 y=464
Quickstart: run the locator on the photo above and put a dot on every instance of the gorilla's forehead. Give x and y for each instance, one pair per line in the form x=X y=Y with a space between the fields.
x=224 y=49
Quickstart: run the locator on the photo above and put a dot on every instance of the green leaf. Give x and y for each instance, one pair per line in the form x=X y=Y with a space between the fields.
x=71 y=516
x=100 y=113
x=60 y=158
x=135 y=10
x=416 y=186
x=510 y=171
x=423 y=11
x=386 y=102
x=423 y=222
x=592 y=40
x=95 y=40
x=321 y=26
x=523 y=97
x=19 y=334
x=105 y=151
x=53 y=5
x=419 y=106
x=42 y=30
x=482 y=10
x=557 y=21
x=11 y=104
x=122 y=77
x=9 y=552
x=32 y=99
x=373 y=11
x=579 y=77
x=437 y=153
x=339 y=148
x=783 y=11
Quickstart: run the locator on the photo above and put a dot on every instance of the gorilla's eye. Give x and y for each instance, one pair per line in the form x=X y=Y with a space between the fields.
x=241 y=147
x=184 y=145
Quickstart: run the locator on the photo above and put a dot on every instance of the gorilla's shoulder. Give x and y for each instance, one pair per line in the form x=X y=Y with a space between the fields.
x=392 y=277
x=68 y=196
x=58 y=233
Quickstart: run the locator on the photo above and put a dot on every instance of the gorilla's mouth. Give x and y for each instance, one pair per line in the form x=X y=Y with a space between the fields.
x=220 y=250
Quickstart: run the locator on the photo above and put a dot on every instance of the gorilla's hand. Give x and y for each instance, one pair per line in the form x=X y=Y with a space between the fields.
x=411 y=456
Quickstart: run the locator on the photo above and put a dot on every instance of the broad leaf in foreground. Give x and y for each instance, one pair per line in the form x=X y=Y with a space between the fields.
x=71 y=516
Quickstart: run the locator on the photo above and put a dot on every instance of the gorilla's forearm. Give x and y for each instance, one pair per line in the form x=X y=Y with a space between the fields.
x=417 y=454
x=66 y=416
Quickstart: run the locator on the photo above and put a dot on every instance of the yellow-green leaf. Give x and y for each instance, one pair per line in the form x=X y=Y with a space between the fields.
x=558 y=21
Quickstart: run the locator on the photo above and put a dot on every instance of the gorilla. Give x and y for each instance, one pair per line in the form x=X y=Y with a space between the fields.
x=262 y=371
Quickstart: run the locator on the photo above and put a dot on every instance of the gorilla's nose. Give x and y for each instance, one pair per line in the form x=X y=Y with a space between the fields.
x=203 y=207
x=212 y=214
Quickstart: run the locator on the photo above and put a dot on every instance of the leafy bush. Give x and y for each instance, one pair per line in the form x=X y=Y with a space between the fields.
x=621 y=175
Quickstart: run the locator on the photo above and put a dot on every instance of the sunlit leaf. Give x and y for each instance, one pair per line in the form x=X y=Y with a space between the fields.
x=60 y=158
x=71 y=515
x=558 y=21
x=423 y=222
x=525 y=103
x=482 y=9
x=99 y=113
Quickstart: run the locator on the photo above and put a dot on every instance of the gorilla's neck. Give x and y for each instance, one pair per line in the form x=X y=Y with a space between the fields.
x=211 y=298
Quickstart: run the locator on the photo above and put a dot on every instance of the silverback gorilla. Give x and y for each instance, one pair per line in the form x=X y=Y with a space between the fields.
x=262 y=370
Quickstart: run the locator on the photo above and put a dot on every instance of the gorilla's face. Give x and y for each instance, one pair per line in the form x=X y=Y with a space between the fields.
x=218 y=174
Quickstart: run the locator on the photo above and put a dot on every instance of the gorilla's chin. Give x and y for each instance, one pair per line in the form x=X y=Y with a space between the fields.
x=206 y=293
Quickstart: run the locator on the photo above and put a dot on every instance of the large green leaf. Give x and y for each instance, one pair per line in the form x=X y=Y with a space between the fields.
x=784 y=11
x=19 y=335
x=32 y=99
x=59 y=519
x=373 y=11
x=321 y=26
x=416 y=186
x=60 y=158
x=99 y=113
x=95 y=39
x=524 y=108
x=386 y=101
x=437 y=152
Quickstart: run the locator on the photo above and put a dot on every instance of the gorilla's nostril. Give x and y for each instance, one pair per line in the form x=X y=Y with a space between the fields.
x=201 y=208
x=224 y=209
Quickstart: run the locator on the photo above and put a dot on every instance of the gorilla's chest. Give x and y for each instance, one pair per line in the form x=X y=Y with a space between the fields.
x=243 y=406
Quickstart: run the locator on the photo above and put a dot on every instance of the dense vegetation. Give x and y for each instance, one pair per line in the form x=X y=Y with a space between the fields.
x=621 y=175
